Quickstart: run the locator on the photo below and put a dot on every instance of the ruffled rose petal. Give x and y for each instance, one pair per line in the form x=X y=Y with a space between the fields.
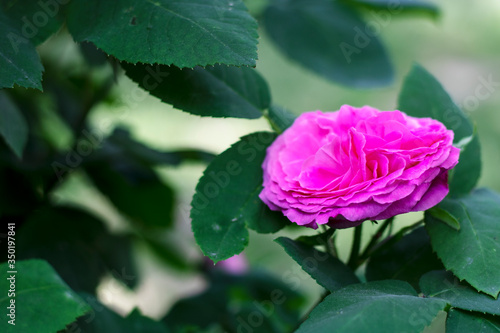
x=342 y=168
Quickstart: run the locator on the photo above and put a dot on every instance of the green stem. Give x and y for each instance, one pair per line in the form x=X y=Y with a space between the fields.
x=330 y=243
x=390 y=240
x=374 y=241
x=356 y=244
x=271 y=122
x=329 y=240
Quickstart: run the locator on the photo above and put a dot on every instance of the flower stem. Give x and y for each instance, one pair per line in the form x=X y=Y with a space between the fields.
x=356 y=244
x=376 y=237
x=271 y=122
x=389 y=241
x=329 y=241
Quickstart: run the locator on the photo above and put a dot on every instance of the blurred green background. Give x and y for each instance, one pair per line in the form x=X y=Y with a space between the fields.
x=460 y=48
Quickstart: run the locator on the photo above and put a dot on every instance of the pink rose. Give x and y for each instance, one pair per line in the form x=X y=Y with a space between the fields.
x=342 y=168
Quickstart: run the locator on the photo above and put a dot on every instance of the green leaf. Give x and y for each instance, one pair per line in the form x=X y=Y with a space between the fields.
x=43 y=303
x=444 y=285
x=444 y=216
x=473 y=252
x=116 y=252
x=135 y=190
x=168 y=252
x=460 y=322
x=465 y=175
x=381 y=306
x=77 y=245
x=264 y=220
x=280 y=118
x=423 y=96
x=387 y=9
x=218 y=91
x=19 y=61
x=235 y=301
x=329 y=38
x=405 y=260
x=226 y=199
x=318 y=239
x=36 y=20
x=121 y=143
x=13 y=126
x=103 y=320
x=328 y=271
x=93 y=56
x=184 y=33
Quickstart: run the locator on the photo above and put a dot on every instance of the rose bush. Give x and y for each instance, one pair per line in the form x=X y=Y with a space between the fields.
x=342 y=168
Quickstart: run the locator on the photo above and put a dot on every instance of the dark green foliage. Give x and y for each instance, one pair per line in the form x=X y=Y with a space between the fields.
x=19 y=62
x=78 y=246
x=473 y=252
x=237 y=303
x=444 y=285
x=13 y=127
x=103 y=320
x=134 y=190
x=407 y=260
x=328 y=271
x=464 y=321
x=183 y=33
x=382 y=306
x=226 y=201
x=423 y=96
x=331 y=39
x=216 y=91
x=43 y=303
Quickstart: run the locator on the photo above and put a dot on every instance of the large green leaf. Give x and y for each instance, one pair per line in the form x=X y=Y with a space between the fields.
x=78 y=246
x=135 y=190
x=444 y=285
x=227 y=199
x=184 y=33
x=35 y=19
x=328 y=271
x=381 y=306
x=423 y=96
x=388 y=9
x=42 y=302
x=19 y=61
x=329 y=38
x=13 y=126
x=218 y=91
x=473 y=252
x=405 y=260
x=460 y=322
